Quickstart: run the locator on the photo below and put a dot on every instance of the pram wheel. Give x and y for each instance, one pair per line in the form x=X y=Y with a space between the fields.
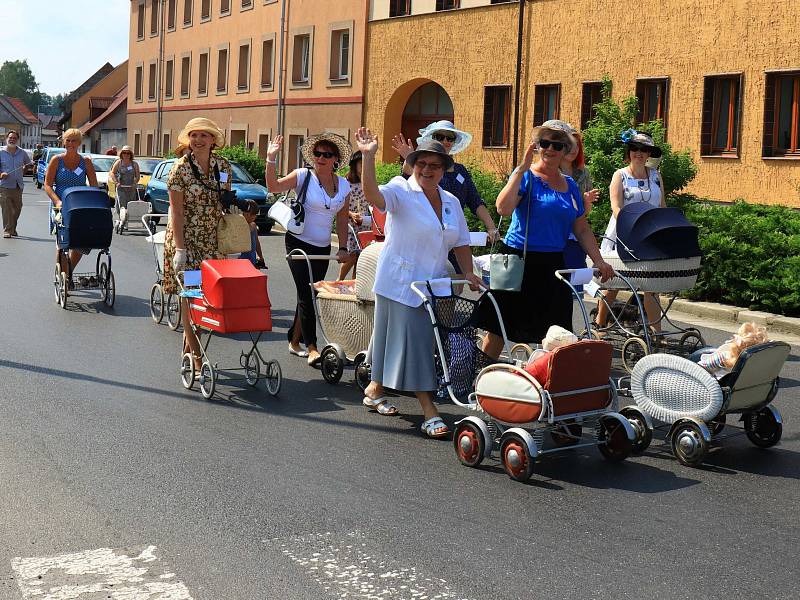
x=208 y=380
x=521 y=352
x=273 y=377
x=517 y=459
x=157 y=302
x=717 y=425
x=109 y=290
x=57 y=284
x=252 y=368
x=644 y=432
x=612 y=440
x=62 y=284
x=632 y=351
x=688 y=444
x=362 y=371
x=691 y=341
x=173 y=304
x=764 y=428
x=469 y=443
x=566 y=434
x=332 y=365
x=187 y=371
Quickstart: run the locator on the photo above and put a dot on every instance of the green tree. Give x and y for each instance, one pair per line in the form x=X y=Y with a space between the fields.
x=605 y=152
x=17 y=81
x=247 y=159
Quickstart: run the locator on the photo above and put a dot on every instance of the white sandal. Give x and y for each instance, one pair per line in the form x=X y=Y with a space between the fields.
x=381 y=405
x=430 y=426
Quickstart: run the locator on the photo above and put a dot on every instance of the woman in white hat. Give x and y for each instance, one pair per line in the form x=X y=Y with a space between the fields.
x=125 y=175
x=426 y=222
x=456 y=179
x=635 y=182
x=326 y=199
x=194 y=211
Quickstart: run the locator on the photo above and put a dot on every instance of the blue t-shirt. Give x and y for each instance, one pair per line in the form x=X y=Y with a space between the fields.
x=551 y=217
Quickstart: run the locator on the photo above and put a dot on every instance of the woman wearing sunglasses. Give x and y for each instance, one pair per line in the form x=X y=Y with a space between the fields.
x=634 y=183
x=545 y=207
x=326 y=198
x=456 y=179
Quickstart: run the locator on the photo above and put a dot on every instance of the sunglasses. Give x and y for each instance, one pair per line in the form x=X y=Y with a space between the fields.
x=325 y=154
x=639 y=148
x=434 y=166
x=440 y=137
x=557 y=146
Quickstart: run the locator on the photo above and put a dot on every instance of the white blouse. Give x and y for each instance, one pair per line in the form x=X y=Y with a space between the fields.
x=320 y=208
x=417 y=243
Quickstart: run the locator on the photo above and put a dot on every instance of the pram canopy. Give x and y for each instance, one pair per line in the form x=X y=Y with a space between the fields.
x=86 y=219
x=645 y=232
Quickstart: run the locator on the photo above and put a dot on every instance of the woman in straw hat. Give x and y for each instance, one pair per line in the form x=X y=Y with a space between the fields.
x=326 y=198
x=125 y=175
x=194 y=211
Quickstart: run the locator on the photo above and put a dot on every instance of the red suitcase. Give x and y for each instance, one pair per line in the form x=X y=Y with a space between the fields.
x=234 y=299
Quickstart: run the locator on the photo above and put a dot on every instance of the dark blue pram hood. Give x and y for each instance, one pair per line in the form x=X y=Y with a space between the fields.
x=645 y=232
x=81 y=196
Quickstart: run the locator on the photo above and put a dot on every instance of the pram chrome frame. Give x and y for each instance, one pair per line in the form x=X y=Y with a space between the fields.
x=250 y=362
x=120 y=226
x=159 y=304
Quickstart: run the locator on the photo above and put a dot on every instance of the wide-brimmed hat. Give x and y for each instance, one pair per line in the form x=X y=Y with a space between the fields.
x=463 y=139
x=431 y=146
x=644 y=140
x=202 y=124
x=345 y=151
x=126 y=149
x=560 y=127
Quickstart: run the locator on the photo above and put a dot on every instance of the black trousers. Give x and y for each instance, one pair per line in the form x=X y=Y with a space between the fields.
x=305 y=302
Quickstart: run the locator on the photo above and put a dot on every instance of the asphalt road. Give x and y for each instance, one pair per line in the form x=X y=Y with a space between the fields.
x=310 y=496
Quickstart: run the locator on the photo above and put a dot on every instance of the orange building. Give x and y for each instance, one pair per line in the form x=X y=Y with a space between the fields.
x=724 y=75
x=256 y=67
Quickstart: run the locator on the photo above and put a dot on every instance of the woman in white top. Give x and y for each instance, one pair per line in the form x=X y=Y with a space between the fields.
x=635 y=183
x=325 y=198
x=426 y=222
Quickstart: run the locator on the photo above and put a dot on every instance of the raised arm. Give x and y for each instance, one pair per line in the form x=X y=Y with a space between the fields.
x=275 y=185
x=368 y=144
x=508 y=198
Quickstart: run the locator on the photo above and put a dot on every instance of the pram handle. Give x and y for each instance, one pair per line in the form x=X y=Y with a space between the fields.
x=146 y=222
x=311 y=256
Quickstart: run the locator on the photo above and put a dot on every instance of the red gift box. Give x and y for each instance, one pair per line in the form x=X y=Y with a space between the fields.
x=235 y=297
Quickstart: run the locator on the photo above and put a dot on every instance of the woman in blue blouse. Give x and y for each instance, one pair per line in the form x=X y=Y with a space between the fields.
x=556 y=210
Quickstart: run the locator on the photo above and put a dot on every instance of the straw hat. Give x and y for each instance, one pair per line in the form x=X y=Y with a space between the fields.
x=307 y=149
x=428 y=145
x=463 y=139
x=558 y=126
x=126 y=149
x=202 y=124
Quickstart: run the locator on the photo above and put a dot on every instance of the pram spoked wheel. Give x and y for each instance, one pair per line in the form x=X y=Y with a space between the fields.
x=690 y=341
x=516 y=458
x=331 y=364
x=273 y=377
x=641 y=426
x=612 y=440
x=157 y=302
x=688 y=444
x=207 y=380
x=469 y=443
x=633 y=350
x=362 y=371
x=566 y=434
x=187 y=371
x=252 y=368
x=173 y=310
x=57 y=284
x=764 y=428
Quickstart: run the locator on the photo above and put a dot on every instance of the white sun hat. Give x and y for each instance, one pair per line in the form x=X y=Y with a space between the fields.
x=463 y=139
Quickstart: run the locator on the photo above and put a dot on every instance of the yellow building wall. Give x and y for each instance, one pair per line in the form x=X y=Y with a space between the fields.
x=573 y=42
x=106 y=87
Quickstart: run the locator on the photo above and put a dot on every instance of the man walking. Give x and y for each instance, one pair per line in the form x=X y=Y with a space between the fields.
x=12 y=164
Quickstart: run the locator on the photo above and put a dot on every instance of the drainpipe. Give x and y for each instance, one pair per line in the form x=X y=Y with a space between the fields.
x=157 y=146
x=281 y=73
x=517 y=91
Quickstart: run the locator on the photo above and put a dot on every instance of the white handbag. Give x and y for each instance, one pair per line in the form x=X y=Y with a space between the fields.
x=291 y=215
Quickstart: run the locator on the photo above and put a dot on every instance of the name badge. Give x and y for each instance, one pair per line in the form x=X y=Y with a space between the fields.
x=78 y=171
x=460 y=178
x=129 y=168
x=223 y=177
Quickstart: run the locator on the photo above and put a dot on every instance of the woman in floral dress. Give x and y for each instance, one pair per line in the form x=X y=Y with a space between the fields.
x=194 y=211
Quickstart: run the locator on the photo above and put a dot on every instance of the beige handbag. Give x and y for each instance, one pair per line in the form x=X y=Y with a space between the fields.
x=233 y=235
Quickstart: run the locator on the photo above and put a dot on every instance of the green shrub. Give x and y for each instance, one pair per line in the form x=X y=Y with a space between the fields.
x=605 y=152
x=751 y=254
x=385 y=171
x=247 y=159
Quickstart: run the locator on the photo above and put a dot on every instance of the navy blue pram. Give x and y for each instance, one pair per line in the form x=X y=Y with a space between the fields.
x=86 y=224
x=645 y=232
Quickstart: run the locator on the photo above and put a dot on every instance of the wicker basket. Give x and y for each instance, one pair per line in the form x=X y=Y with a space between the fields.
x=669 y=275
x=347 y=321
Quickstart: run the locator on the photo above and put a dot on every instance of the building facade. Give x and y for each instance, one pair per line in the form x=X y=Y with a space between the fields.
x=14 y=115
x=255 y=67
x=727 y=91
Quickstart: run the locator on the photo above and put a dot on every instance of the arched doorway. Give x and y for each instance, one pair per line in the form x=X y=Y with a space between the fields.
x=429 y=102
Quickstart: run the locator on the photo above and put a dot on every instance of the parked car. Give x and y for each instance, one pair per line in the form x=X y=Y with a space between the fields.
x=41 y=166
x=147 y=165
x=102 y=168
x=246 y=188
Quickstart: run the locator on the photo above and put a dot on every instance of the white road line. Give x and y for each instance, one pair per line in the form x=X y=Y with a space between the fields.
x=344 y=568
x=119 y=574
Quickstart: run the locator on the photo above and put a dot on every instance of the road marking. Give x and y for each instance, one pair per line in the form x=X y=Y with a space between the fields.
x=119 y=574
x=344 y=568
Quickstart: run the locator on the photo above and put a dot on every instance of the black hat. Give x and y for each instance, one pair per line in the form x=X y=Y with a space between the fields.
x=355 y=158
x=433 y=147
